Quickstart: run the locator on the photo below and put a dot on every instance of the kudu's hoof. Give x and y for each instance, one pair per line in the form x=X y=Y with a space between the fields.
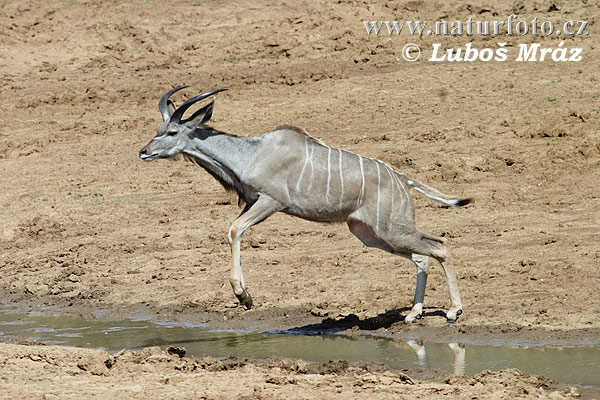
x=245 y=299
x=453 y=320
x=412 y=318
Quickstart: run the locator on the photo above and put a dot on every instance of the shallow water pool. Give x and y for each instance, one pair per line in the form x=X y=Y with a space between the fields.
x=573 y=364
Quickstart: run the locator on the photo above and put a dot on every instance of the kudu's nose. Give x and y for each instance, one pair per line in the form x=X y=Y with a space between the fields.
x=142 y=152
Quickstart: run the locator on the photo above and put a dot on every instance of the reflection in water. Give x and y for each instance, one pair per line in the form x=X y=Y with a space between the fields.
x=459 y=358
x=574 y=365
x=458 y=367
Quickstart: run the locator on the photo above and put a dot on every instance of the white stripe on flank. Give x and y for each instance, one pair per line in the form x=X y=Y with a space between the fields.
x=362 y=188
x=312 y=167
x=403 y=188
x=400 y=185
x=387 y=168
x=341 y=179
x=328 y=173
x=304 y=166
x=378 y=193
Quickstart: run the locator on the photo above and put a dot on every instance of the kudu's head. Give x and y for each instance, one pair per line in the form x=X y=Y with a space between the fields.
x=173 y=135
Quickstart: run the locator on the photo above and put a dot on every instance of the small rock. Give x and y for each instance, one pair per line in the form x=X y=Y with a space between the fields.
x=317 y=312
x=179 y=351
x=280 y=380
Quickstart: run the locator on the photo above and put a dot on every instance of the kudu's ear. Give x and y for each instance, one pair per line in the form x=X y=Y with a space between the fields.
x=202 y=116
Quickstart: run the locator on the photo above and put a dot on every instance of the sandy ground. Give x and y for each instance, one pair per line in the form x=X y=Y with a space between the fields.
x=87 y=226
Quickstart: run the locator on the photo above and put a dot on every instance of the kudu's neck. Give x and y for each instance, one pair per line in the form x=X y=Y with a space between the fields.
x=230 y=151
x=224 y=156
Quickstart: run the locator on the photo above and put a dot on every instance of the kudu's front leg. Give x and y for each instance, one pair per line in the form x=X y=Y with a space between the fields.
x=260 y=210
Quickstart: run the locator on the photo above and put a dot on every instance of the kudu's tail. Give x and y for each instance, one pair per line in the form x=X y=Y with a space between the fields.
x=436 y=195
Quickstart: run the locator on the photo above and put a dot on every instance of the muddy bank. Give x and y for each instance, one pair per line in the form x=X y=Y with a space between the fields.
x=32 y=371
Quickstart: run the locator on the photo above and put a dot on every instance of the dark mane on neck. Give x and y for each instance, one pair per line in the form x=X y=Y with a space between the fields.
x=224 y=176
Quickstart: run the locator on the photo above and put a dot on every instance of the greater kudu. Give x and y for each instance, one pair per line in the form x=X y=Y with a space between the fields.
x=289 y=171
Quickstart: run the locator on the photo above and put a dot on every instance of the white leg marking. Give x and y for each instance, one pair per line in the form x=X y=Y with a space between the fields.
x=341 y=179
x=304 y=166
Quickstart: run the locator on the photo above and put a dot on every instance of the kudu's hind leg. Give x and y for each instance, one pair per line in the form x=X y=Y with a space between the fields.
x=418 y=247
x=455 y=302
x=366 y=235
x=262 y=209
x=426 y=246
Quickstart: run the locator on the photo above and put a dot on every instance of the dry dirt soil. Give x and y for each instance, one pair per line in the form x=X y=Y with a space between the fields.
x=86 y=225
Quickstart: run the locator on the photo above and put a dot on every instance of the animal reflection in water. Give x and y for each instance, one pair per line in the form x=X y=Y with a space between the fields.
x=457 y=348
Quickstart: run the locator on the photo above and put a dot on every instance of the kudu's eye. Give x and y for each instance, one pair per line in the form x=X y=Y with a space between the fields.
x=172 y=133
